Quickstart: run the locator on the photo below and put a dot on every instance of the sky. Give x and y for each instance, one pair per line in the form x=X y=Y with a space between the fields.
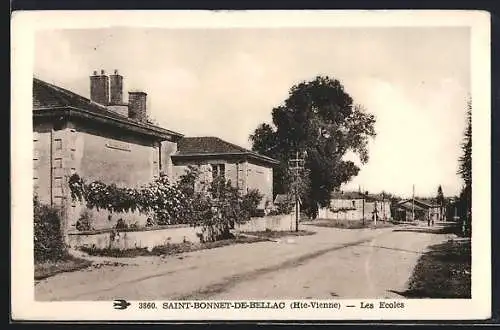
x=225 y=82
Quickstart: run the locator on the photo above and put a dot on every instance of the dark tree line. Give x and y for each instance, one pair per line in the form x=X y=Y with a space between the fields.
x=465 y=170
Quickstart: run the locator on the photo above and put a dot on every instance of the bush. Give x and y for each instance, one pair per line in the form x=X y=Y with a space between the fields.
x=250 y=202
x=48 y=239
x=281 y=208
x=120 y=224
x=216 y=206
x=150 y=222
x=85 y=222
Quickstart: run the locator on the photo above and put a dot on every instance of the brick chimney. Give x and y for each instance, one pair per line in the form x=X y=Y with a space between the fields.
x=99 y=88
x=137 y=106
x=116 y=89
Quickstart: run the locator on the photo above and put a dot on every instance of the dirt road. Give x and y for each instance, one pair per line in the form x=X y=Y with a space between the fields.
x=344 y=263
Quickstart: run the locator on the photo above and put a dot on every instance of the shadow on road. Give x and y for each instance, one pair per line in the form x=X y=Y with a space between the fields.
x=392 y=249
x=231 y=281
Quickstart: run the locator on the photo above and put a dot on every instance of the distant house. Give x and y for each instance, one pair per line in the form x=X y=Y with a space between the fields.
x=245 y=169
x=421 y=210
x=356 y=206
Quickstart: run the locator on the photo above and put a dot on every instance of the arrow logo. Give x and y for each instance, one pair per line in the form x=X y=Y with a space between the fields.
x=120 y=304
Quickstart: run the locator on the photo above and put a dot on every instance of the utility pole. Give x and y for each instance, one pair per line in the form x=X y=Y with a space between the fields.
x=413 y=204
x=363 y=196
x=296 y=165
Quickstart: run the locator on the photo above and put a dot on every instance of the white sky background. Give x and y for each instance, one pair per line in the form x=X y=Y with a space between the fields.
x=224 y=82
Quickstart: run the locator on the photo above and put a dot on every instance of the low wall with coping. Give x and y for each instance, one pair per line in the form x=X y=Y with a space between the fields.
x=173 y=234
x=129 y=239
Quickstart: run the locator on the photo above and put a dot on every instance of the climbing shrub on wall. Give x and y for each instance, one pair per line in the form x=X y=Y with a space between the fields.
x=215 y=207
x=160 y=198
x=84 y=223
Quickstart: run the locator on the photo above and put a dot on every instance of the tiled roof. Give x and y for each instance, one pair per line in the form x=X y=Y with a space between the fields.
x=48 y=97
x=418 y=203
x=379 y=197
x=346 y=195
x=211 y=145
x=407 y=204
x=207 y=144
x=427 y=202
x=357 y=195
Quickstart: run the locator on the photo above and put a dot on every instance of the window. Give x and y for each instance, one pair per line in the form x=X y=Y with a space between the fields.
x=58 y=163
x=58 y=144
x=218 y=171
x=353 y=203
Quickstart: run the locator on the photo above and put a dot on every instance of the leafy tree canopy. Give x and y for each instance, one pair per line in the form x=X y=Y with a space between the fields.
x=320 y=118
x=465 y=171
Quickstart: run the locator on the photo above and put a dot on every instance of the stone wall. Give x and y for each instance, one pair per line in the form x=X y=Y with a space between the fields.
x=107 y=238
x=103 y=219
x=260 y=178
x=283 y=222
x=354 y=210
x=167 y=149
x=42 y=140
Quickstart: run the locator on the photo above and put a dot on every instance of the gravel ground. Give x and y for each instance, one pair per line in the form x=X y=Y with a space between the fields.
x=332 y=263
x=379 y=268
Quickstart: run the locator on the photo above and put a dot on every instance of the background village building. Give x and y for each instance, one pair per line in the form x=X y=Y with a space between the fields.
x=356 y=206
x=245 y=169
x=422 y=210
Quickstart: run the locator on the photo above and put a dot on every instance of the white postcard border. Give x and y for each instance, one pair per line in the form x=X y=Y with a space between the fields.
x=24 y=26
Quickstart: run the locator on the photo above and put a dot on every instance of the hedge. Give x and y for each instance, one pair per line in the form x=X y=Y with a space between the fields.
x=48 y=239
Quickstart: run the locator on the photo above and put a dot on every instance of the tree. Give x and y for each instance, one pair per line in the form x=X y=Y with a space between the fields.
x=216 y=206
x=320 y=118
x=440 y=201
x=465 y=170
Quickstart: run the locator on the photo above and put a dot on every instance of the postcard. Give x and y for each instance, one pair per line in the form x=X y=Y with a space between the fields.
x=250 y=165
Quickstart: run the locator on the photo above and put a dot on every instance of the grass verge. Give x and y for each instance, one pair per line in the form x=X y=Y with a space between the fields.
x=350 y=224
x=443 y=272
x=448 y=228
x=67 y=264
x=169 y=249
